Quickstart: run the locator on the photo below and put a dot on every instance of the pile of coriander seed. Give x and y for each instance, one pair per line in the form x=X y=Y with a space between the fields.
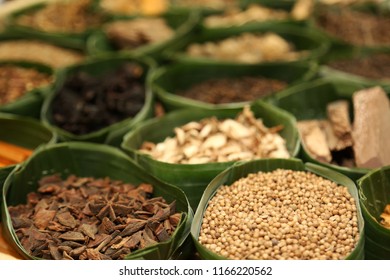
x=282 y=214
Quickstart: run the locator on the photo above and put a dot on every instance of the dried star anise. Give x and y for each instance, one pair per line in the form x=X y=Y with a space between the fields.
x=87 y=218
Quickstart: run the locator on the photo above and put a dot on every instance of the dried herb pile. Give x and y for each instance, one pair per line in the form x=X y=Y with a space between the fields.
x=88 y=103
x=134 y=7
x=15 y=81
x=254 y=13
x=376 y=66
x=214 y=4
x=39 y=52
x=247 y=48
x=228 y=90
x=69 y=16
x=96 y=219
x=130 y=34
x=355 y=27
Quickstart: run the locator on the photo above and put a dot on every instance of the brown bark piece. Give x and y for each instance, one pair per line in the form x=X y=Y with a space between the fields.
x=314 y=140
x=338 y=115
x=330 y=135
x=371 y=130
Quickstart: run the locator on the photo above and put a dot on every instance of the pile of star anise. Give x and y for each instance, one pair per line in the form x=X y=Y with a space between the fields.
x=88 y=218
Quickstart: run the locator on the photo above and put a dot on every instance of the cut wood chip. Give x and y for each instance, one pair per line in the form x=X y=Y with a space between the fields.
x=314 y=139
x=371 y=130
x=338 y=116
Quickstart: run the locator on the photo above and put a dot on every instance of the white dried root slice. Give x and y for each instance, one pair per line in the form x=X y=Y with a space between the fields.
x=254 y=13
x=248 y=48
x=386 y=217
x=213 y=140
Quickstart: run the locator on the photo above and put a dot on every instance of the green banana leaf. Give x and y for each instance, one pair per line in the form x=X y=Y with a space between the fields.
x=98 y=67
x=354 y=53
x=193 y=178
x=338 y=44
x=167 y=81
x=286 y=5
x=374 y=193
x=94 y=160
x=204 y=10
x=25 y=132
x=303 y=38
x=240 y=170
x=308 y=101
x=68 y=39
x=31 y=102
x=182 y=23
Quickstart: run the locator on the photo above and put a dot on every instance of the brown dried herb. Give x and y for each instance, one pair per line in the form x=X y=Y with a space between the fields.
x=15 y=81
x=228 y=90
x=87 y=103
x=95 y=219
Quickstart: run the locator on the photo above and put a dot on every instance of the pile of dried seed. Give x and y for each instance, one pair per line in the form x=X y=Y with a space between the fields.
x=254 y=13
x=375 y=66
x=96 y=219
x=15 y=81
x=247 y=48
x=213 y=140
x=282 y=214
x=39 y=52
x=228 y=90
x=88 y=103
x=355 y=27
x=67 y=16
x=130 y=34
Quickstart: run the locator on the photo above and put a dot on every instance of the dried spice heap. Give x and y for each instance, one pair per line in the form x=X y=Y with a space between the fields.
x=355 y=27
x=39 y=52
x=12 y=154
x=130 y=34
x=385 y=216
x=214 y=4
x=95 y=219
x=282 y=214
x=87 y=103
x=247 y=48
x=376 y=66
x=212 y=140
x=15 y=81
x=228 y=90
x=254 y=13
x=361 y=144
x=135 y=7
x=67 y=16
